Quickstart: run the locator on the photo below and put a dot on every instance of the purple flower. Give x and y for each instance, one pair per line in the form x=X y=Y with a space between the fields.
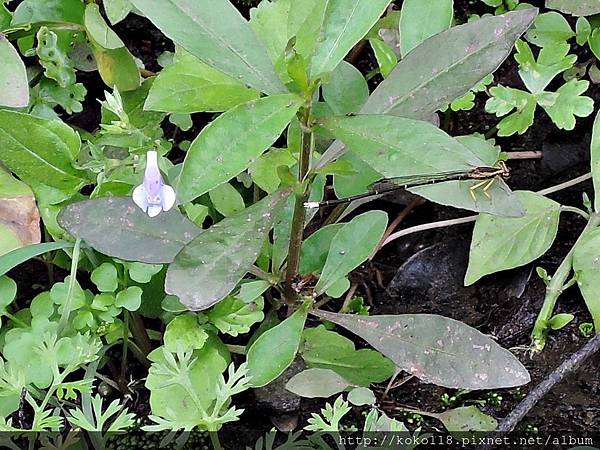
x=153 y=196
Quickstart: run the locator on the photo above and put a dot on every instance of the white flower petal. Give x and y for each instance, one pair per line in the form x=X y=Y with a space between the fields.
x=154 y=210
x=167 y=193
x=140 y=198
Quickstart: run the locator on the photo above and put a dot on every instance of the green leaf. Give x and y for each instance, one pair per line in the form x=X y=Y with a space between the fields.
x=316 y=382
x=420 y=20
x=386 y=58
x=467 y=419
x=434 y=74
x=275 y=349
x=595 y=160
x=210 y=266
x=315 y=249
x=583 y=30
x=343 y=24
x=347 y=90
x=8 y=292
x=226 y=199
x=549 y=29
x=264 y=169
x=30 y=11
x=14 y=86
x=346 y=253
x=575 y=7
x=587 y=270
x=40 y=150
x=330 y=350
x=234 y=317
x=504 y=243
x=130 y=298
x=559 y=321
x=570 y=104
x=437 y=349
x=142 y=273
x=116 y=10
x=232 y=142
x=594 y=42
x=18 y=256
x=215 y=32
x=189 y=85
x=551 y=61
x=117 y=68
x=361 y=396
x=185 y=331
x=503 y=100
x=116 y=227
x=105 y=277
x=396 y=146
x=98 y=30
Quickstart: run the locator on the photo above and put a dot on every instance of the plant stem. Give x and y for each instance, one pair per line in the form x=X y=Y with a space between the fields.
x=16 y=320
x=64 y=318
x=298 y=219
x=575 y=210
x=214 y=439
x=555 y=288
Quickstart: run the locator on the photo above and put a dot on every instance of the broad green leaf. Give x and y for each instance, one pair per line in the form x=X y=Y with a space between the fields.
x=346 y=252
x=14 y=86
x=569 y=104
x=215 y=32
x=315 y=249
x=275 y=349
x=347 y=90
x=466 y=419
x=8 y=292
x=264 y=169
x=434 y=74
x=30 y=11
x=396 y=146
x=117 y=68
x=18 y=256
x=329 y=350
x=232 y=142
x=594 y=42
x=548 y=29
x=234 y=317
x=420 y=20
x=117 y=10
x=358 y=183
x=98 y=30
x=587 y=270
x=575 y=7
x=116 y=227
x=316 y=382
x=226 y=199
x=130 y=298
x=40 y=150
x=210 y=266
x=185 y=331
x=595 y=161
x=437 y=349
x=498 y=199
x=189 y=85
x=583 y=30
x=504 y=243
x=343 y=24
x=105 y=277
x=551 y=61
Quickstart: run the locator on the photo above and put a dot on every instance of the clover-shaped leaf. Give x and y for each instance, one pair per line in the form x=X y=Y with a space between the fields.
x=569 y=104
x=551 y=61
x=8 y=292
x=186 y=332
x=105 y=277
x=141 y=272
x=503 y=101
x=130 y=298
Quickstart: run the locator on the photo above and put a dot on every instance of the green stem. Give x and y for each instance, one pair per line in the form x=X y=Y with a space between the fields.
x=214 y=438
x=555 y=287
x=64 y=318
x=575 y=210
x=125 y=348
x=16 y=320
x=297 y=231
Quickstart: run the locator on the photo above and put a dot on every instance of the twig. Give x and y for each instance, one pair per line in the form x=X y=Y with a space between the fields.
x=535 y=154
x=395 y=224
x=566 y=184
x=575 y=360
x=348 y=298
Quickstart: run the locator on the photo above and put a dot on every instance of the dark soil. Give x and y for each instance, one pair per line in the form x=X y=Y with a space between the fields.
x=423 y=273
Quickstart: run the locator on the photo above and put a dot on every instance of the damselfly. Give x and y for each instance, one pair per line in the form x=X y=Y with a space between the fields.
x=484 y=176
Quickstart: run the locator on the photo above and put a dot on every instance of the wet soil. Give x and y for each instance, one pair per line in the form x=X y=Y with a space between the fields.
x=423 y=273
